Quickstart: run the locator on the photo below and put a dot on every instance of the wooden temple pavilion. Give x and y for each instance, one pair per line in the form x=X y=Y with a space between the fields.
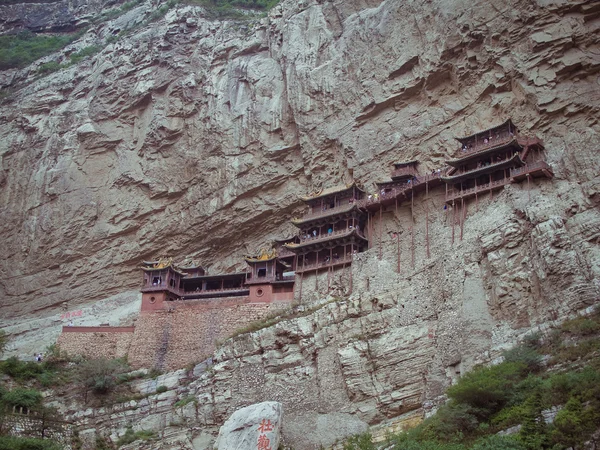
x=164 y=281
x=491 y=159
x=270 y=277
x=331 y=231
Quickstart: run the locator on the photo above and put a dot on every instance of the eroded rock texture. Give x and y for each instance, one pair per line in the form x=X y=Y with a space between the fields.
x=193 y=137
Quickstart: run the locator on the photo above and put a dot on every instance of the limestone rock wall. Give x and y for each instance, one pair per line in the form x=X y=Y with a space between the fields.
x=194 y=137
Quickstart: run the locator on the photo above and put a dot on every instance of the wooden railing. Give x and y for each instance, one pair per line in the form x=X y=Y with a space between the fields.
x=477 y=189
x=395 y=192
x=503 y=138
x=160 y=287
x=530 y=167
x=473 y=171
x=326 y=236
x=324 y=213
x=215 y=291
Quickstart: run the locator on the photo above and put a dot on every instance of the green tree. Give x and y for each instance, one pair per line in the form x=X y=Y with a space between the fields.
x=3 y=341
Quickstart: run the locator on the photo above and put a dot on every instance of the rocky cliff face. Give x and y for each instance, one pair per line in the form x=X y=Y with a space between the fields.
x=193 y=137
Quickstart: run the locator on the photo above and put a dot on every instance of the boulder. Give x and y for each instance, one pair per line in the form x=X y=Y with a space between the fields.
x=252 y=427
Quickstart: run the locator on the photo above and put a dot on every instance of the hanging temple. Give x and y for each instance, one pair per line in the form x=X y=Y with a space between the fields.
x=338 y=225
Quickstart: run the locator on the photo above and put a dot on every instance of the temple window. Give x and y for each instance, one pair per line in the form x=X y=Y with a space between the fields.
x=262 y=273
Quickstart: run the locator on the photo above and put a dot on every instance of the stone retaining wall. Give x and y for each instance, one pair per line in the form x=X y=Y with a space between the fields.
x=187 y=333
x=22 y=425
x=96 y=342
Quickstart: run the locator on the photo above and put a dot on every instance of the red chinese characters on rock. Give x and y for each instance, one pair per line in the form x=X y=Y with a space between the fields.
x=264 y=443
x=70 y=315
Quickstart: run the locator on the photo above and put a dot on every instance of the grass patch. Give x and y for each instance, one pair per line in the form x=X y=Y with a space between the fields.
x=185 y=401
x=131 y=436
x=19 y=50
x=277 y=317
x=19 y=443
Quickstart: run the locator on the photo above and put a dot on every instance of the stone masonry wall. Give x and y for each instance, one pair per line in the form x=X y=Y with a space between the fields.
x=98 y=344
x=188 y=331
x=22 y=425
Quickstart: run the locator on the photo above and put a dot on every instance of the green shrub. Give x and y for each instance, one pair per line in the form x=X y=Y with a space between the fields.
x=161 y=389
x=85 y=52
x=131 y=436
x=488 y=389
x=19 y=443
x=185 y=401
x=100 y=375
x=495 y=442
x=451 y=422
x=49 y=67
x=524 y=355
x=581 y=326
x=19 y=397
x=360 y=442
x=3 y=341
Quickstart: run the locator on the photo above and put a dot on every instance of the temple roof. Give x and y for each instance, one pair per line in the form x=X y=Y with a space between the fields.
x=478 y=154
x=340 y=210
x=263 y=256
x=485 y=133
x=330 y=191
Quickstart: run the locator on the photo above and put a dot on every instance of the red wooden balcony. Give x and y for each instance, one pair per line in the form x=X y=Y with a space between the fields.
x=341 y=209
x=400 y=172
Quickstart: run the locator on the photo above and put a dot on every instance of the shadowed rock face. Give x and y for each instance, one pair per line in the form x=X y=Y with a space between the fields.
x=49 y=15
x=194 y=137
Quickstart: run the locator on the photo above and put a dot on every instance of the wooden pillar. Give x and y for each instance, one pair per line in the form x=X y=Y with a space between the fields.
x=301 y=277
x=476 y=200
x=427 y=219
x=453 y=220
x=398 y=249
x=528 y=188
x=380 y=231
x=463 y=217
x=412 y=227
x=368 y=230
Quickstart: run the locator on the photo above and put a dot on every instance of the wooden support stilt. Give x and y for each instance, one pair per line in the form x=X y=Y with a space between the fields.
x=350 y=267
x=301 y=277
x=427 y=219
x=380 y=231
x=398 y=249
x=528 y=188
x=462 y=219
x=476 y=200
x=412 y=228
x=453 y=220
